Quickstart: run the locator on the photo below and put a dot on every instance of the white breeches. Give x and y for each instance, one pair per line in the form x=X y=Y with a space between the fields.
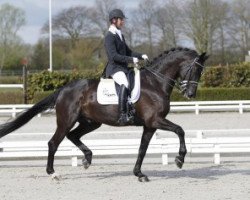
x=120 y=78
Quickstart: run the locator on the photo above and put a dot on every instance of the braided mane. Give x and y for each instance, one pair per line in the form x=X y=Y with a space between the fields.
x=169 y=55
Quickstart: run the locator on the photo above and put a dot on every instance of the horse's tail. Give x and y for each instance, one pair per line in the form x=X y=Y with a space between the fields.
x=26 y=116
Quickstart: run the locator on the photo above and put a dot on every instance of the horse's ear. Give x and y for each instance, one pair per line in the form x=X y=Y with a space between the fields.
x=203 y=56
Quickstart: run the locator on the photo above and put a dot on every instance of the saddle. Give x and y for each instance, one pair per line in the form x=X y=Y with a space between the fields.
x=107 y=89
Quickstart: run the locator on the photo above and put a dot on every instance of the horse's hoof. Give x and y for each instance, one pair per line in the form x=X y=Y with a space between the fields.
x=55 y=177
x=178 y=162
x=143 y=179
x=86 y=164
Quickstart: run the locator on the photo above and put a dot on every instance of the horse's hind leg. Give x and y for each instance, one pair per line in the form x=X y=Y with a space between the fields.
x=65 y=121
x=74 y=136
x=53 y=144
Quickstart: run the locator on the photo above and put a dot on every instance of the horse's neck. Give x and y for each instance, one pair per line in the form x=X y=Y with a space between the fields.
x=169 y=71
x=160 y=84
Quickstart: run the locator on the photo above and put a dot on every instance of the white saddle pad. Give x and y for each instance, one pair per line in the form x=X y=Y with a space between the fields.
x=106 y=92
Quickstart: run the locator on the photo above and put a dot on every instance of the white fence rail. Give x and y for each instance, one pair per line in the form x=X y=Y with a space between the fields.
x=198 y=106
x=193 y=106
x=214 y=146
x=14 y=109
x=11 y=85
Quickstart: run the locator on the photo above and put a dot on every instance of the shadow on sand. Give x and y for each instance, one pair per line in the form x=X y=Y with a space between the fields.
x=203 y=173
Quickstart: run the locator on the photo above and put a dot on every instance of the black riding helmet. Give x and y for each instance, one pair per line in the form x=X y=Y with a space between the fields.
x=116 y=13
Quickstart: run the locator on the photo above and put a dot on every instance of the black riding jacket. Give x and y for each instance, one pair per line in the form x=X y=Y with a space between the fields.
x=119 y=54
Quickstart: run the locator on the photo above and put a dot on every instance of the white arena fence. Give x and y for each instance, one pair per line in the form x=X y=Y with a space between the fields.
x=11 y=86
x=199 y=145
x=212 y=106
x=14 y=109
x=192 y=106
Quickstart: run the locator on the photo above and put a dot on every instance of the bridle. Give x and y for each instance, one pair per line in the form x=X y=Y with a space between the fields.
x=182 y=86
x=184 y=83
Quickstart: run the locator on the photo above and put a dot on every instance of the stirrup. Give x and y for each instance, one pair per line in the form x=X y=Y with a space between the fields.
x=125 y=119
x=131 y=110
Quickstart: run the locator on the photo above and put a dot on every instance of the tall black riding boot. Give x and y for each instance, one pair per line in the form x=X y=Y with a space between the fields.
x=123 y=100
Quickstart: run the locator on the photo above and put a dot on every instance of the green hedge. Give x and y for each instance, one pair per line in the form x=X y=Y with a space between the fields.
x=203 y=94
x=237 y=75
x=216 y=94
x=11 y=97
x=38 y=96
x=50 y=81
x=11 y=79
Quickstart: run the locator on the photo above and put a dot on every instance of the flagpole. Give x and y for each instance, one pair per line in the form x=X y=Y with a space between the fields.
x=50 y=37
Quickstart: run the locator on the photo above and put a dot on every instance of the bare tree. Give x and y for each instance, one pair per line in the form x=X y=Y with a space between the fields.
x=144 y=20
x=72 y=23
x=11 y=20
x=239 y=28
x=221 y=39
x=129 y=32
x=168 y=20
x=100 y=14
x=201 y=21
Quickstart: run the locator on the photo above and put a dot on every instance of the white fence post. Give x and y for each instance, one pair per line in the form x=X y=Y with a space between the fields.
x=165 y=159
x=216 y=154
x=241 y=108
x=14 y=112
x=74 y=157
x=196 y=108
x=199 y=134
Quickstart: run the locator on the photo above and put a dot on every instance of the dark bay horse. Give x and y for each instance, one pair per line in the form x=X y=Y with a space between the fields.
x=77 y=102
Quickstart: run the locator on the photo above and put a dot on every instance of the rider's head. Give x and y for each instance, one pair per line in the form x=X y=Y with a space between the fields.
x=117 y=17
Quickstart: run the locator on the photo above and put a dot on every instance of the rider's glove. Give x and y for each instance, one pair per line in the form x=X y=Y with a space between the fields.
x=145 y=57
x=135 y=60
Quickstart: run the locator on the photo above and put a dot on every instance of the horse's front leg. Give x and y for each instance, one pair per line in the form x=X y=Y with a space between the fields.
x=146 y=137
x=167 y=125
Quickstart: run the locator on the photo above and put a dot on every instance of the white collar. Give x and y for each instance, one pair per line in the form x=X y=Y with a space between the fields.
x=114 y=30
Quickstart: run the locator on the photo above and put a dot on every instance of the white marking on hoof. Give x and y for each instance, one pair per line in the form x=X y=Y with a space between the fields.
x=56 y=177
x=86 y=164
x=143 y=179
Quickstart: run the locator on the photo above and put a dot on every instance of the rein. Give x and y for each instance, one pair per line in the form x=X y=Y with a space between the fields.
x=184 y=83
x=163 y=77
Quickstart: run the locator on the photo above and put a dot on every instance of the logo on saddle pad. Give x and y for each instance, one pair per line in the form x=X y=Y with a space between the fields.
x=106 y=92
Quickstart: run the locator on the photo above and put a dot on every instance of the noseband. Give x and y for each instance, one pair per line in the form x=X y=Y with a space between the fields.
x=184 y=83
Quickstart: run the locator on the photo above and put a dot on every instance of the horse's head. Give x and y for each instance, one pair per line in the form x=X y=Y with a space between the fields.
x=190 y=73
x=182 y=63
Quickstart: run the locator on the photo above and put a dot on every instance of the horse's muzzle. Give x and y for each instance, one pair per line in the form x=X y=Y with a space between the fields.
x=188 y=89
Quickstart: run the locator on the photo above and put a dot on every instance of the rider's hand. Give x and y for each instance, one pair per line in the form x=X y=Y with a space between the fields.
x=135 y=60
x=145 y=57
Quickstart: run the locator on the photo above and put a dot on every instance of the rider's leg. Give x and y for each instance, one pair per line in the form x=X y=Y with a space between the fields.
x=121 y=79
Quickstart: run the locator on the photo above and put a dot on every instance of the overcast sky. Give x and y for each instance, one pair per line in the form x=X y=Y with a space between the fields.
x=37 y=13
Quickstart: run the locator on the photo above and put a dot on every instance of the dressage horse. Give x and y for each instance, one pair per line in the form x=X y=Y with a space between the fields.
x=77 y=102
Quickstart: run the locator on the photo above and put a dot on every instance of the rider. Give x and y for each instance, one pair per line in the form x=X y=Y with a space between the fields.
x=119 y=55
